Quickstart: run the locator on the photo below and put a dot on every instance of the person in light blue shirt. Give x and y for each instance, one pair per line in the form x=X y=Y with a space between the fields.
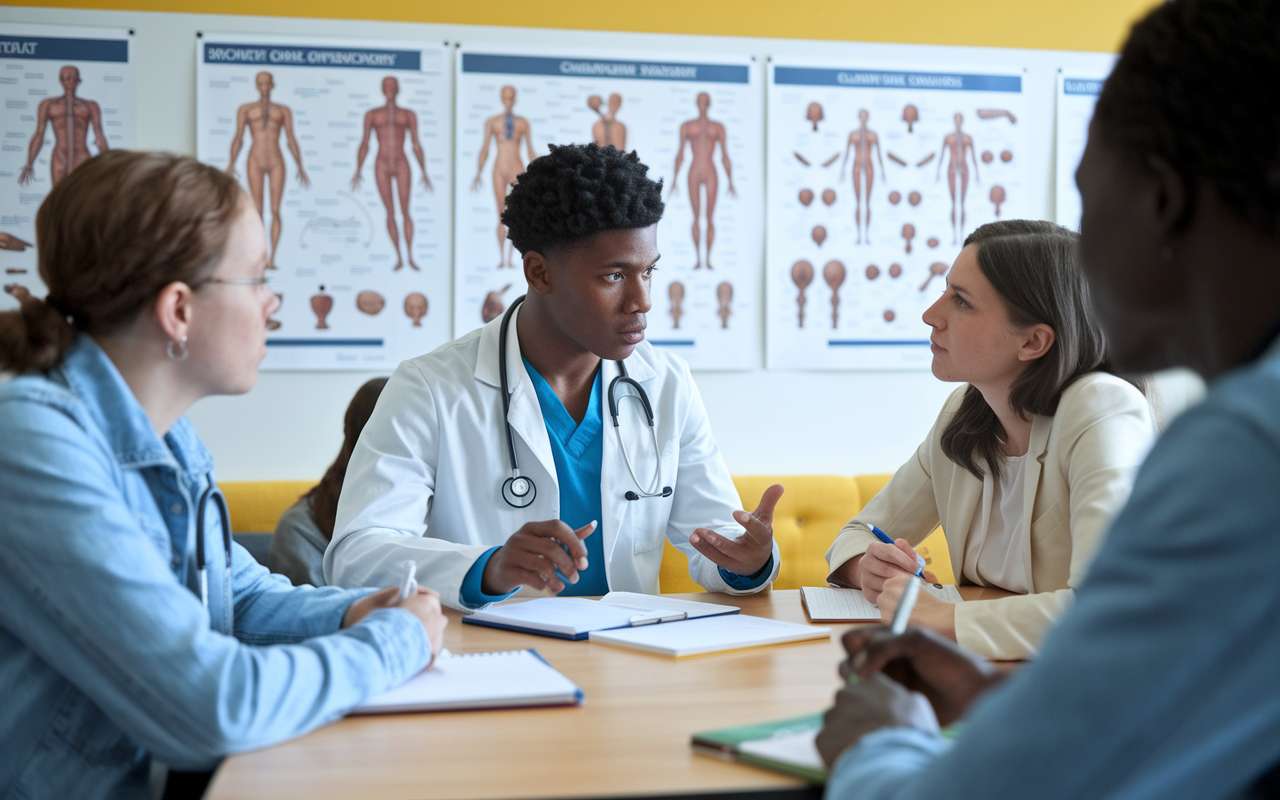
x=131 y=628
x=1161 y=681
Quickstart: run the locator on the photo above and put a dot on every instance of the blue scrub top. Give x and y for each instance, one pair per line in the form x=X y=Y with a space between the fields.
x=578 y=452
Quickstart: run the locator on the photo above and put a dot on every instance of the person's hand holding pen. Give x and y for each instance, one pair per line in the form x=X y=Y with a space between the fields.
x=883 y=560
x=421 y=602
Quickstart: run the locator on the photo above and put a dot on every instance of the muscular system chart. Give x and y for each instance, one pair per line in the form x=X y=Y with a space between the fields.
x=697 y=125
x=68 y=94
x=1076 y=99
x=876 y=177
x=344 y=147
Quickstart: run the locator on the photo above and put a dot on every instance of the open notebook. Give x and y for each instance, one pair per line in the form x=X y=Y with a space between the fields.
x=575 y=617
x=500 y=679
x=829 y=604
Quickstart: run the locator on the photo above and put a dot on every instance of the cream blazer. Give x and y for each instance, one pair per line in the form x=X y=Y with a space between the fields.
x=1080 y=469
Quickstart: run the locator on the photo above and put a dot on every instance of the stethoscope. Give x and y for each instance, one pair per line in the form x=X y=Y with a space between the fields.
x=518 y=490
x=215 y=494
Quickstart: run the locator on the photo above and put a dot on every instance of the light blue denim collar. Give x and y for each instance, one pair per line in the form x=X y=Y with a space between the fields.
x=110 y=403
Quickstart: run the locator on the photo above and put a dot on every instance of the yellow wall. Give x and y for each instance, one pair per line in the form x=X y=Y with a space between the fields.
x=1098 y=25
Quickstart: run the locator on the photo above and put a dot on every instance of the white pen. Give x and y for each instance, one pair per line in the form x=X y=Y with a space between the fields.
x=408 y=579
x=902 y=614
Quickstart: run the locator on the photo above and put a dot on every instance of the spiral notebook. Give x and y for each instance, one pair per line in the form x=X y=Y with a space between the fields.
x=499 y=679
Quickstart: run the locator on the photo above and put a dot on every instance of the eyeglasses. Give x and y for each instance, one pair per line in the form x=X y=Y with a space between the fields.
x=239 y=281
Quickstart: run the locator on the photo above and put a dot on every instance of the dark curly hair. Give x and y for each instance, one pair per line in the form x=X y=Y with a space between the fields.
x=1186 y=89
x=578 y=190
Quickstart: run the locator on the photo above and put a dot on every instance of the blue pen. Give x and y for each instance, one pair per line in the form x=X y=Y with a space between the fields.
x=884 y=537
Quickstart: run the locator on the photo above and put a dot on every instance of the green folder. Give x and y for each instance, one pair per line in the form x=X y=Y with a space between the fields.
x=724 y=743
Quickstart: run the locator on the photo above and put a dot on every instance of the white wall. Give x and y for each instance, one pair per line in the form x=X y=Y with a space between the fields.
x=782 y=422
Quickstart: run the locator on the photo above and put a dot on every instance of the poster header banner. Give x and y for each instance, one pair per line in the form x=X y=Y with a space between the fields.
x=57 y=49
x=878 y=79
x=1079 y=86
x=603 y=68
x=302 y=56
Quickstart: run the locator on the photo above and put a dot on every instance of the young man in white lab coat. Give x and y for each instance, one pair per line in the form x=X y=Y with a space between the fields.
x=589 y=502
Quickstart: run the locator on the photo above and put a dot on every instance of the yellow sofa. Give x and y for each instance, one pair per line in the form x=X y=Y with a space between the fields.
x=811 y=512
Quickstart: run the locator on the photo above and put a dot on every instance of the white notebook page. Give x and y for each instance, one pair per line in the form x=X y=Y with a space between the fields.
x=829 y=603
x=710 y=634
x=477 y=680
x=791 y=748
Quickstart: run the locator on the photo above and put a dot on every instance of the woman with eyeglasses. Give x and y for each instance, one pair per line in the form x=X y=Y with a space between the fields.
x=131 y=627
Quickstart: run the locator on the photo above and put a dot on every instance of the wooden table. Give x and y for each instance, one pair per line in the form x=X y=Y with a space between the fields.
x=630 y=738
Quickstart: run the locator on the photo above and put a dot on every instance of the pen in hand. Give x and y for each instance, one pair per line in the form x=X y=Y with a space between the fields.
x=408 y=579
x=884 y=537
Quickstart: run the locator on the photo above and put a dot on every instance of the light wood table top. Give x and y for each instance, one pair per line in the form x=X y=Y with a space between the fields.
x=630 y=738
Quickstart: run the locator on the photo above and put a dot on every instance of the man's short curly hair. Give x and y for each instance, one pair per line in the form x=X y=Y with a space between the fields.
x=1193 y=86
x=578 y=190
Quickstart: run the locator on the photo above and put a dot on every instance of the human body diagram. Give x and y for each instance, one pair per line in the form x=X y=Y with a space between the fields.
x=703 y=134
x=71 y=118
x=265 y=120
x=958 y=146
x=391 y=123
x=861 y=142
x=608 y=131
x=506 y=130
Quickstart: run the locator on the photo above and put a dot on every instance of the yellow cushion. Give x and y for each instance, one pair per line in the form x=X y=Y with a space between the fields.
x=805 y=522
x=256 y=506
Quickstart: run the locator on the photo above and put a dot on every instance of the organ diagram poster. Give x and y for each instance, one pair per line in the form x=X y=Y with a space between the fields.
x=344 y=147
x=68 y=95
x=876 y=177
x=697 y=125
x=1076 y=99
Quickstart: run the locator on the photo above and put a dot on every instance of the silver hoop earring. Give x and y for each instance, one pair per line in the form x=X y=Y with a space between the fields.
x=177 y=350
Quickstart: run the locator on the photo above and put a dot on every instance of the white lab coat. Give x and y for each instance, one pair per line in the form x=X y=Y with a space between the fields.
x=425 y=479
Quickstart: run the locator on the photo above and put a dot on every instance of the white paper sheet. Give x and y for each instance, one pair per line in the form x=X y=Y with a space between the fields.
x=477 y=680
x=709 y=635
x=830 y=604
x=799 y=749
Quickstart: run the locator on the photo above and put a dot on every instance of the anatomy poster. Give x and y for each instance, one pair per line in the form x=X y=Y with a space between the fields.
x=1076 y=98
x=876 y=177
x=344 y=147
x=698 y=126
x=68 y=95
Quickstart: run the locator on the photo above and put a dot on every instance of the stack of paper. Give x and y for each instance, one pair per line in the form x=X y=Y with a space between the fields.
x=510 y=679
x=829 y=604
x=709 y=635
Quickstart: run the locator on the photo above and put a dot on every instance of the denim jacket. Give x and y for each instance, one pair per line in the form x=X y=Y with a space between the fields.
x=107 y=656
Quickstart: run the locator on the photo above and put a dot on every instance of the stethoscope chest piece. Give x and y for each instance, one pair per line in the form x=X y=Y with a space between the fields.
x=518 y=491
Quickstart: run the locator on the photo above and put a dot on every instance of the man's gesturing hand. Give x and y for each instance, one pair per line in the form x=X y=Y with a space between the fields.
x=747 y=554
x=533 y=554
